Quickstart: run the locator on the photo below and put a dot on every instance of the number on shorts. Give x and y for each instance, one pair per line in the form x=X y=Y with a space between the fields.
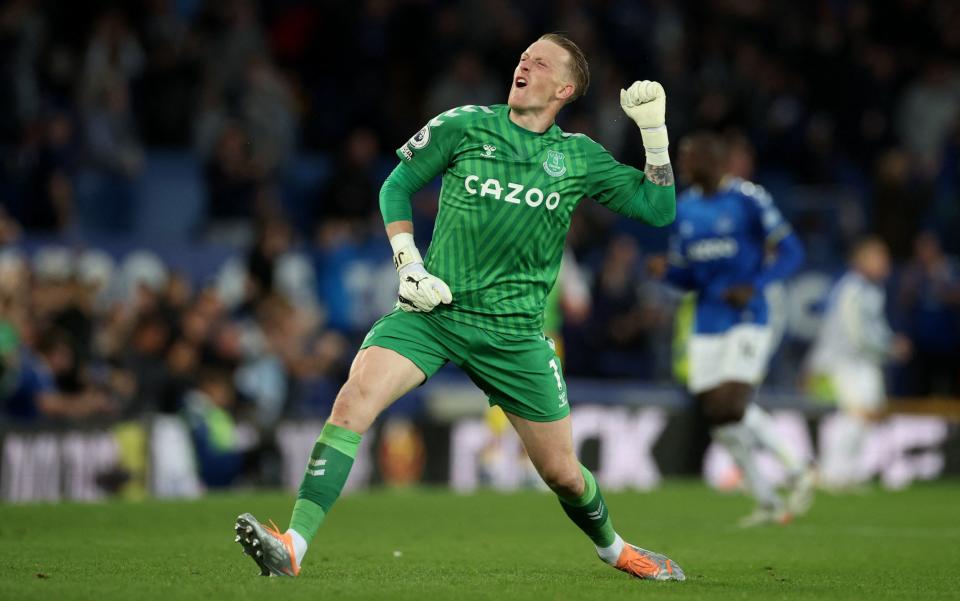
x=556 y=373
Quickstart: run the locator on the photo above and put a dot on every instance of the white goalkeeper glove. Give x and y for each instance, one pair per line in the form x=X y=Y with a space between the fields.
x=646 y=103
x=419 y=291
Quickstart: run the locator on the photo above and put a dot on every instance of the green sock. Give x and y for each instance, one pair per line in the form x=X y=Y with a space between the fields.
x=326 y=473
x=589 y=512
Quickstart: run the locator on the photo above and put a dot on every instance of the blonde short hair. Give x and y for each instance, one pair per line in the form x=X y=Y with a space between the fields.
x=579 y=69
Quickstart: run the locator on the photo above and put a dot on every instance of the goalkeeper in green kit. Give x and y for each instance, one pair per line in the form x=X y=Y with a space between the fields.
x=511 y=181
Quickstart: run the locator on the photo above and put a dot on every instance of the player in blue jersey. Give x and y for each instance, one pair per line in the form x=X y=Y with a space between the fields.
x=729 y=242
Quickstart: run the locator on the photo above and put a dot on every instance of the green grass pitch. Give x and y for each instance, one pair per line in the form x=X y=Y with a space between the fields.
x=432 y=544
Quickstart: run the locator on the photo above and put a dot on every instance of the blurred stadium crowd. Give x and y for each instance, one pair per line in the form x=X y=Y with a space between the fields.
x=189 y=187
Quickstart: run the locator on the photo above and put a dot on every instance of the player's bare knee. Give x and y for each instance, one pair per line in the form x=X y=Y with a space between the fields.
x=725 y=404
x=564 y=480
x=352 y=407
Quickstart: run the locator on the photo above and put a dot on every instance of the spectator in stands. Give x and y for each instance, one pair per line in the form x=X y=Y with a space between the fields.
x=465 y=82
x=112 y=142
x=113 y=52
x=930 y=105
x=336 y=248
x=199 y=319
x=272 y=348
x=145 y=356
x=22 y=39
x=182 y=363
x=274 y=239
x=194 y=326
x=928 y=302
x=49 y=164
x=60 y=301
x=113 y=155
x=10 y=229
x=34 y=395
x=619 y=330
x=231 y=34
x=94 y=271
x=208 y=411
x=169 y=86
x=354 y=188
x=273 y=265
x=896 y=180
x=139 y=286
x=233 y=184
x=268 y=115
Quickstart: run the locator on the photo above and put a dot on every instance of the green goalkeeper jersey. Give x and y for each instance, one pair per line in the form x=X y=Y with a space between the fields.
x=506 y=201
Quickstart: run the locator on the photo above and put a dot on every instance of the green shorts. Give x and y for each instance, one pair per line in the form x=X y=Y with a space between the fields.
x=520 y=373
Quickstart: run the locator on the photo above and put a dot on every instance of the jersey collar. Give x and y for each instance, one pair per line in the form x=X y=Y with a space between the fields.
x=554 y=128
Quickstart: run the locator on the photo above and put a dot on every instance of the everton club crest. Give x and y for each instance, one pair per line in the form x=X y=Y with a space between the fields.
x=554 y=164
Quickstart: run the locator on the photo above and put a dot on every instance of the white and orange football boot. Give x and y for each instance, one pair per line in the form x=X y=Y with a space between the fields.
x=266 y=545
x=647 y=565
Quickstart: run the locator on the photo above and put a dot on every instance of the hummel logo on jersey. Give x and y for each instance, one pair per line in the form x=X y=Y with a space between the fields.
x=534 y=197
x=488 y=150
x=316 y=463
x=598 y=514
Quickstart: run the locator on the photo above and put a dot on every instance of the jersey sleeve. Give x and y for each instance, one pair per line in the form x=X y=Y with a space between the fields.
x=610 y=182
x=679 y=272
x=430 y=150
x=675 y=254
x=625 y=190
x=768 y=217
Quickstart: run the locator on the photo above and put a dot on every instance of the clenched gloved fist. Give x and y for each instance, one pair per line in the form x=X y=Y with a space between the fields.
x=646 y=103
x=419 y=291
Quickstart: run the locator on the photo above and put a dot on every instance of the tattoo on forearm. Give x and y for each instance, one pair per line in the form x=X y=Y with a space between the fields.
x=662 y=175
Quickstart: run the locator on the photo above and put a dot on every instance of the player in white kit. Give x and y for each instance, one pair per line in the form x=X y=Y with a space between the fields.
x=846 y=361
